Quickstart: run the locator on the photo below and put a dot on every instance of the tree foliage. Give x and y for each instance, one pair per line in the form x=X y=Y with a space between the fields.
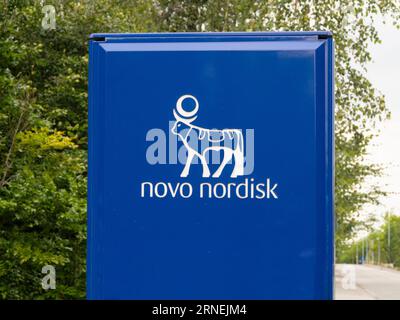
x=43 y=139
x=43 y=114
x=380 y=246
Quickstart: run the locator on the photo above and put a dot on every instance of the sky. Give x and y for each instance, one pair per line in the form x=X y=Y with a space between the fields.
x=384 y=73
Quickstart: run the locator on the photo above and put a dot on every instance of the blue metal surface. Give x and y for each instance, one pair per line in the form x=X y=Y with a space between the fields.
x=280 y=85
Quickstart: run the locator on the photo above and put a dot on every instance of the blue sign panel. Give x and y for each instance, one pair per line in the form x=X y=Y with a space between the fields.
x=211 y=166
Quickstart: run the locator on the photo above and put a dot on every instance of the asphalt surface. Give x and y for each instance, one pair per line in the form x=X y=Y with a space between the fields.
x=366 y=282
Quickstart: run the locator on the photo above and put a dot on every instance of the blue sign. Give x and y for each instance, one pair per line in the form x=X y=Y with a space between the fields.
x=211 y=166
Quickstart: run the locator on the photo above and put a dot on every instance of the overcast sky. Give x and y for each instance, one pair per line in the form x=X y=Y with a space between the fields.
x=384 y=73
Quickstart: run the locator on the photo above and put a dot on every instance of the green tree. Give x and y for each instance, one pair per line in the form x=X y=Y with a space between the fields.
x=383 y=244
x=42 y=214
x=43 y=139
x=390 y=235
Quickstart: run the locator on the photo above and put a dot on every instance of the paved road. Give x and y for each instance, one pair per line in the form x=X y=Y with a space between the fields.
x=366 y=282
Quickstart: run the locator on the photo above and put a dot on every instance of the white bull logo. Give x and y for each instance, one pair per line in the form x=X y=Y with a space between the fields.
x=184 y=120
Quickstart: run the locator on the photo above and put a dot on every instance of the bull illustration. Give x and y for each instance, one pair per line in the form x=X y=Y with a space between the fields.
x=234 y=151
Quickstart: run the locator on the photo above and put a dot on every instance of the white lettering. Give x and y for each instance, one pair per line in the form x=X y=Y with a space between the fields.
x=247 y=189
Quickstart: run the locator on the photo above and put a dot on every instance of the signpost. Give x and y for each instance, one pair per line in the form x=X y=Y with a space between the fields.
x=211 y=166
